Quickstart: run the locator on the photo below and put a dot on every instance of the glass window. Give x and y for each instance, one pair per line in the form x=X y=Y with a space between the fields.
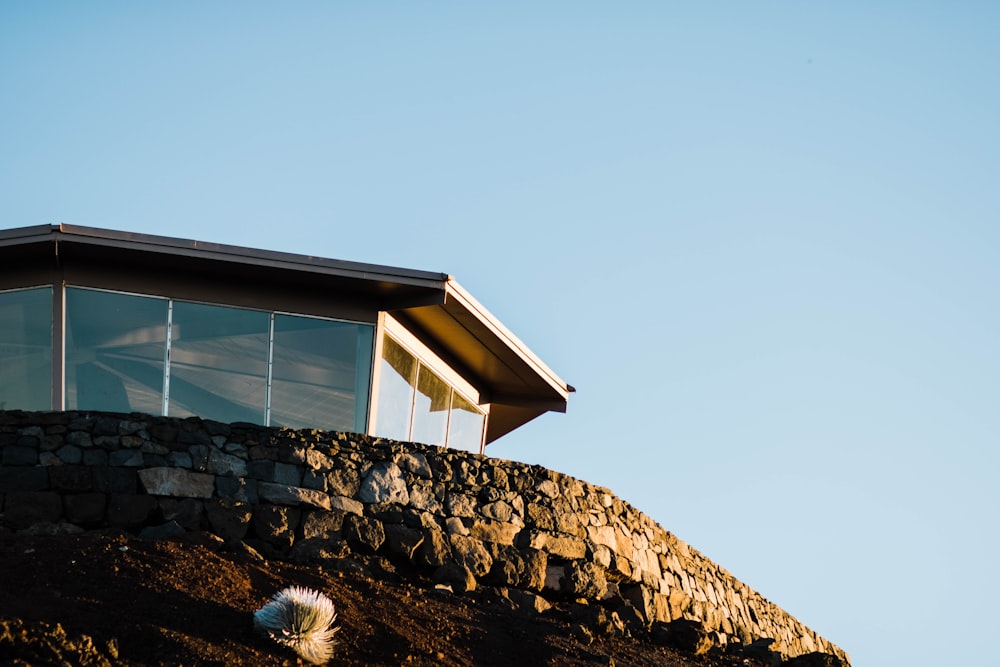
x=115 y=344
x=320 y=373
x=218 y=362
x=26 y=349
x=397 y=377
x=430 y=408
x=465 y=427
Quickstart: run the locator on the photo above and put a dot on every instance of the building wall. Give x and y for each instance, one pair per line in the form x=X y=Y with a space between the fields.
x=308 y=493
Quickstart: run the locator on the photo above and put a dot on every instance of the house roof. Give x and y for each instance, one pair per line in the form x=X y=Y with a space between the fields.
x=518 y=385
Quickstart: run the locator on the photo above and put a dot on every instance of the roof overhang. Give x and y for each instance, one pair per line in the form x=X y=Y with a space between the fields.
x=513 y=380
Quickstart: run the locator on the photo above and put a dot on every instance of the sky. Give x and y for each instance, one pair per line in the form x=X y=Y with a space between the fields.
x=761 y=239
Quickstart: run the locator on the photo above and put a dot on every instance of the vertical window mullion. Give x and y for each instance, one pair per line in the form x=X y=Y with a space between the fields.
x=166 y=359
x=270 y=372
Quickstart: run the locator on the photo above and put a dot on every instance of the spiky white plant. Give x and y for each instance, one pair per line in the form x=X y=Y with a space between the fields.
x=301 y=619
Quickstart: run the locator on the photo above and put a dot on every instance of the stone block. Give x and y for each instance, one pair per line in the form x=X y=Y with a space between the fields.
x=128 y=458
x=347 y=505
x=435 y=550
x=130 y=510
x=177 y=482
x=115 y=480
x=414 y=463
x=70 y=454
x=363 y=533
x=85 y=508
x=469 y=551
x=25 y=508
x=525 y=570
x=225 y=464
x=276 y=525
x=324 y=525
x=72 y=478
x=281 y=494
x=14 y=455
x=384 y=483
x=458 y=577
x=187 y=512
x=343 y=482
x=95 y=457
x=24 y=478
x=261 y=469
x=288 y=474
x=229 y=519
x=494 y=531
x=402 y=540
x=584 y=580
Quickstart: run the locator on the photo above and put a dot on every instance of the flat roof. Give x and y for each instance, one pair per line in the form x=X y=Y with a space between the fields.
x=432 y=304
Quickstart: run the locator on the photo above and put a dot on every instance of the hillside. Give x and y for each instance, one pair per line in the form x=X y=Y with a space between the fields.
x=190 y=602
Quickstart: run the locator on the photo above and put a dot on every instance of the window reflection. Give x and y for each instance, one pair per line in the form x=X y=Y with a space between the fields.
x=115 y=344
x=416 y=404
x=465 y=425
x=316 y=373
x=218 y=362
x=26 y=349
x=397 y=376
x=430 y=408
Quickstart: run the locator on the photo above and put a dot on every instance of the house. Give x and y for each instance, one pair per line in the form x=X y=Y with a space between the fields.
x=94 y=319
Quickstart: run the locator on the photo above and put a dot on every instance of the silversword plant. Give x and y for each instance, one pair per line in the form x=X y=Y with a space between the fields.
x=301 y=619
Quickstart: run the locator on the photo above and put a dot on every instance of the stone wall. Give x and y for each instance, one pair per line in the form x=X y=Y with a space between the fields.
x=468 y=519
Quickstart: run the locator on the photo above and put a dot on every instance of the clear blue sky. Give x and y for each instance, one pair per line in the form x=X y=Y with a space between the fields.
x=760 y=238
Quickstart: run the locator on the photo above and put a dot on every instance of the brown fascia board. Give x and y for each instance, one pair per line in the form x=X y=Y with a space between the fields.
x=469 y=337
x=251 y=256
x=491 y=332
x=390 y=287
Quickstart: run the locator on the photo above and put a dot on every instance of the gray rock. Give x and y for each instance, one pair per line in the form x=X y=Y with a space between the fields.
x=343 y=482
x=435 y=550
x=470 y=552
x=229 y=519
x=384 y=483
x=288 y=474
x=275 y=524
x=364 y=534
x=402 y=540
x=414 y=463
x=225 y=464
x=281 y=494
x=322 y=525
x=584 y=580
x=458 y=577
x=177 y=482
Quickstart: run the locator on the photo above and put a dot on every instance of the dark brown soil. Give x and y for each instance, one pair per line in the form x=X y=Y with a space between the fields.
x=191 y=602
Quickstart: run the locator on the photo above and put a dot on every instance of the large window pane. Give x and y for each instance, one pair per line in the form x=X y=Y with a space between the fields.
x=430 y=408
x=26 y=349
x=218 y=362
x=397 y=377
x=114 y=351
x=320 y=373
x=465 y=428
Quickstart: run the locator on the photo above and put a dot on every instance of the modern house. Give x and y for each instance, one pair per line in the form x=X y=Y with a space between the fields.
x=93 y=319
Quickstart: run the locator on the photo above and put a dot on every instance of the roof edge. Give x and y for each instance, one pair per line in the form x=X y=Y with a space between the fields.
x=507 y=337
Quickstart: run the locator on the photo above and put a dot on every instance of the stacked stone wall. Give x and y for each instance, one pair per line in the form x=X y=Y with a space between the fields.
x=469 y=519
